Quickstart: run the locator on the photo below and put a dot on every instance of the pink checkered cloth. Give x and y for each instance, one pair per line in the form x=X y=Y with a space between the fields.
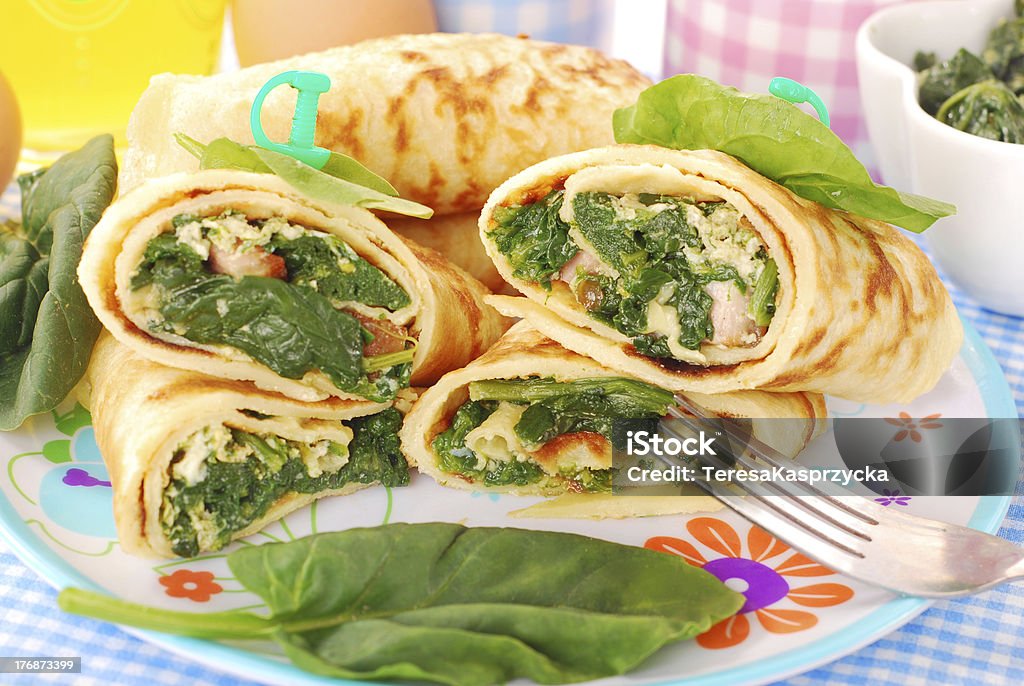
x=744 y=43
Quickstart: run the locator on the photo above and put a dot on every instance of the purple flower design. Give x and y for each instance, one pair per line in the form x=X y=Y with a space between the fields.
x=893 y=498
x=80 y=477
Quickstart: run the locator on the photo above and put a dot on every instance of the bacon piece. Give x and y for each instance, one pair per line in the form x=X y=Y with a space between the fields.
x=252 y=262
x=582 y=259
x=729 y=315
x=387 y=336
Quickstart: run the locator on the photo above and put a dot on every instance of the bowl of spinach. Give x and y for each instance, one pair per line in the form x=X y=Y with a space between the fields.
x=941 y=86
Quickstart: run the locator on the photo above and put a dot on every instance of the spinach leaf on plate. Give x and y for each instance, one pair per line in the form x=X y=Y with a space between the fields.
x=774 y=138
x=453 y=605
x=47 y=329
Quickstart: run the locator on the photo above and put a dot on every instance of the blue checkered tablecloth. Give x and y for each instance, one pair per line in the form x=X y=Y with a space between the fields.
x=969 y=641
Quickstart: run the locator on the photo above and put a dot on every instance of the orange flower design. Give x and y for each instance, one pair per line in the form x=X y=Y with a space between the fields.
x=763 y=586
x=196 y=586
x=909 y=426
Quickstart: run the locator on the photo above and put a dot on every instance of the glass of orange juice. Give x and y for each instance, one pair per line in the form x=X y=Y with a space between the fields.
x=77 y=67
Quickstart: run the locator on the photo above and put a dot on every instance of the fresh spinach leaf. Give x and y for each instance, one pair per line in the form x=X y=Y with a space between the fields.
x=322 y=186
x=944 y=79
x=453 y=605
x=534 y=238
x=774 y=138
x=47 y=328
x=342 y=180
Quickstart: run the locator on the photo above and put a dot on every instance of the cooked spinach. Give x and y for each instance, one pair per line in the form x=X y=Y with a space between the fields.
x=341 y=180
x=762 y=300
x=47 y=328
x=943 y=79
x=774 y=138
x=988 y=109
x=235 y=494
x=452 y=605
x=534 y=239
x=290 y=329
x=980 y=96
x=554 y=408
x=1004 y=53
x=646 y=250
x=313 y=261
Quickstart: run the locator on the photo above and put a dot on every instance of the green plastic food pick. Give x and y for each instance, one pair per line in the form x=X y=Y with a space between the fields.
x=310 y=85
x=796 y=92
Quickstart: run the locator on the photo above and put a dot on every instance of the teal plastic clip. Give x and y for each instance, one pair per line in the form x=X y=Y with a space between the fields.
x=310 y=85
x=796 y=92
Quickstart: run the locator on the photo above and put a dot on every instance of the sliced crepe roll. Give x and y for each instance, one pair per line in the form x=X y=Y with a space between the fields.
x=690 y=271
x=196 y=462
x=532 y=418
x=240 y=276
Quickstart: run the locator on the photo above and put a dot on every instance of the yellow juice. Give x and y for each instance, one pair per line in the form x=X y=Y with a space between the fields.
x=77 y=67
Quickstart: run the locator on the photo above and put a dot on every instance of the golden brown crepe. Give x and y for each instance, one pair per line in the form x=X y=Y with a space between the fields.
x=145 y=414
x=444 y=117
x=524 y=353
x=457 y=237
x=860 y=312
x=446 y=314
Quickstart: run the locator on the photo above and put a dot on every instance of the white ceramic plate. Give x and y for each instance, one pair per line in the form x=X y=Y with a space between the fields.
x=55 y=513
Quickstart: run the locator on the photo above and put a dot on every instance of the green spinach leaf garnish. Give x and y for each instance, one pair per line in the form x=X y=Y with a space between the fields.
x=452 y=605
x=47 y=329
x=774 y=138
x=342 y=180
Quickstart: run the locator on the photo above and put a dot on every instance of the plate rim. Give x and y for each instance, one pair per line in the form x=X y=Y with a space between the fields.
x=988 y=515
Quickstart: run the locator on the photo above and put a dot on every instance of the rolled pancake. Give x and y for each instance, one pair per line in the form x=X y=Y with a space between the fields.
x=524 y=352
x=445 y=314
x=860 y=312
x=443 y=117
x=143 y=412
x=457 y=237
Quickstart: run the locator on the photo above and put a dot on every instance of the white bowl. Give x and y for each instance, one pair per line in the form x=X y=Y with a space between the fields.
x=982 y=246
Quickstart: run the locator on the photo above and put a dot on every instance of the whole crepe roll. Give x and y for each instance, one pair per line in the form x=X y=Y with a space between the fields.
x=238 y=275
x=691 y=271
x=443 y=117
x=196 y=462
x=532 y=418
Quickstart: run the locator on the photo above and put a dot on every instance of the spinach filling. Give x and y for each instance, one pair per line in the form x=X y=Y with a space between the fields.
x=293 y=325
x=261 y=469
x=549 y=409
x=647 y=254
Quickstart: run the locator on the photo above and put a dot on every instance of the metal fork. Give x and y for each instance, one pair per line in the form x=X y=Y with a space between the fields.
x=851 y=534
